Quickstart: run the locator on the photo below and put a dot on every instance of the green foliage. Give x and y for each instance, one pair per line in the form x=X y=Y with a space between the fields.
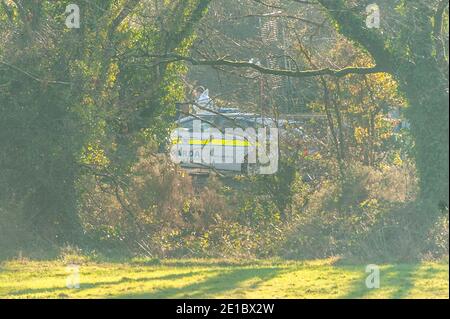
x=78 y=103
x=367 y=216
x=84 y=113
x=412 y=56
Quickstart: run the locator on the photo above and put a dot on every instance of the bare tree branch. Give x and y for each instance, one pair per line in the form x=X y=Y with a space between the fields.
x=353 y=27
x=277 y=15
x=32 y=76
x=124 y=13
x=264 y=70
x=437 y=32
x=305 y=2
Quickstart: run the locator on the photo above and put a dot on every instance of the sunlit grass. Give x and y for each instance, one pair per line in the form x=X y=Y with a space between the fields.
x=221 y=279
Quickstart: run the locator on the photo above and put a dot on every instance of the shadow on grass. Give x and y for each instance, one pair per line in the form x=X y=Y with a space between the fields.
x=400 y=279
x=405 y=281
x=227 y=281
x=123 y=280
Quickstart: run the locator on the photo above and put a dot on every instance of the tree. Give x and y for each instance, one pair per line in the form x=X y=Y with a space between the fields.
x=414 y=54
x=415 y=58
x=77 y=102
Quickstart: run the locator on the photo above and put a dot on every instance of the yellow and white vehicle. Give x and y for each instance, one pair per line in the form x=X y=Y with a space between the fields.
x=224 y=141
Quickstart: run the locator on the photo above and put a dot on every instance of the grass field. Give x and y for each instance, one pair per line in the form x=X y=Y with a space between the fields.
x=219 y=279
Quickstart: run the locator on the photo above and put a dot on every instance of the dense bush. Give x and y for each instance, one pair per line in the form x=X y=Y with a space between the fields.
x=371 y=215
x=158 y=210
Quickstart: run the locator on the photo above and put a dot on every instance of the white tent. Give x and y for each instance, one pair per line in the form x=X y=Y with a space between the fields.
x=204 y=101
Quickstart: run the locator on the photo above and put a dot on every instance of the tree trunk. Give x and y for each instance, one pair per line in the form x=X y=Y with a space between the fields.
x=428 y=113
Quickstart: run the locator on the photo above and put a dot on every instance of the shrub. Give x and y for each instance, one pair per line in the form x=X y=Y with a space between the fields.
x=159 y=213
x=370 y=215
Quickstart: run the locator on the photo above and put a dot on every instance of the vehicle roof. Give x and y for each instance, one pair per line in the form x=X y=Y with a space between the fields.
x=249 y=117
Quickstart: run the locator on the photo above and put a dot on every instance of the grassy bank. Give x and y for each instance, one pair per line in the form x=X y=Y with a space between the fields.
x=220 y=279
